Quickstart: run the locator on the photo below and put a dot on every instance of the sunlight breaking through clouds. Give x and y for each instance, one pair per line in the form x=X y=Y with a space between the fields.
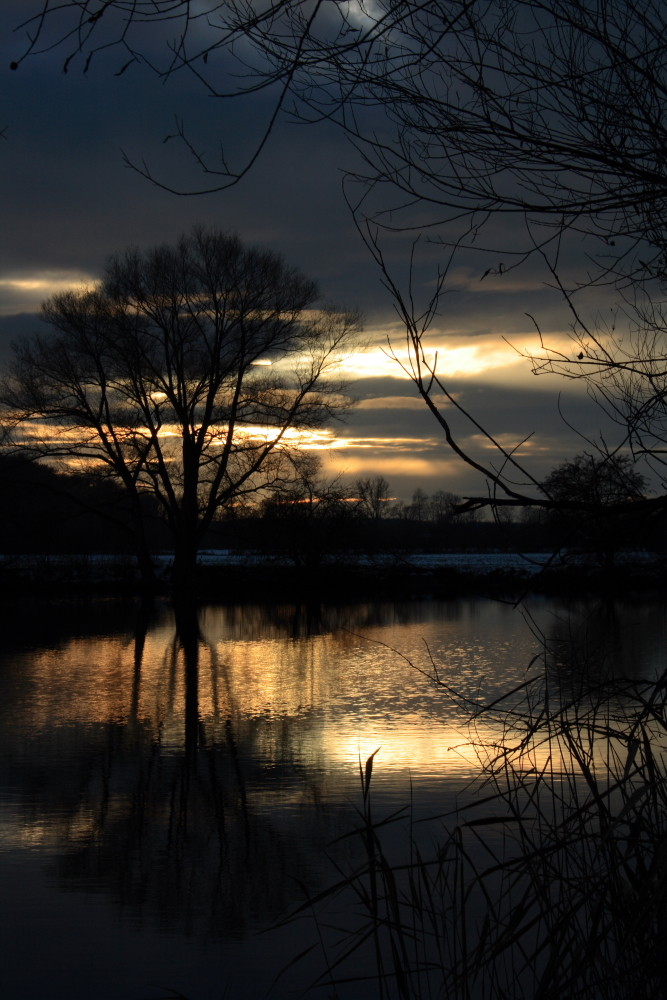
x=21 y=293
x=463 y=360
x=402 y=402
x=378 y=461
x=512 y=444
x=409 y=444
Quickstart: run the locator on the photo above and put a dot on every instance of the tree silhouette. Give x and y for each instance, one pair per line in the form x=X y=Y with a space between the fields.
x=179 y=376
x=587 y=479
x=373 y=495
x=584 y=489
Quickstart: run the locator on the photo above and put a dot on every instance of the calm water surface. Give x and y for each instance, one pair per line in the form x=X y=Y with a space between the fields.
x=172 y=788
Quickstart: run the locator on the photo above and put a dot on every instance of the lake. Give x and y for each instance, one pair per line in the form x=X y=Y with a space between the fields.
x=174 y=787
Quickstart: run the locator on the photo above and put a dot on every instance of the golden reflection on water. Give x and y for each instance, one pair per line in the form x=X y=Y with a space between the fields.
x=323 y=693
x=324 y=690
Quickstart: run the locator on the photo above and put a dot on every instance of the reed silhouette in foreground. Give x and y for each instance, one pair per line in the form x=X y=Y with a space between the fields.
x=550 y=882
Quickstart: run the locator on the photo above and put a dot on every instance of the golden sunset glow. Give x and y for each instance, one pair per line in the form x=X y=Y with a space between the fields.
x=341 y=451
x=402 y=402
x=385 y=433
x=96 y=679
x=401 y=463
x=448 y=361
x=453 y=355
x=342 y=688
x=26 y=292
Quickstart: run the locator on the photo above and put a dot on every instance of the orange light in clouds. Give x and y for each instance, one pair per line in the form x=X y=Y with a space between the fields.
x=26 y=292
x=402 y=464
x=306 y=438
x=457 y=353
x=45 y=284
x=414 y=402
x=464 y=360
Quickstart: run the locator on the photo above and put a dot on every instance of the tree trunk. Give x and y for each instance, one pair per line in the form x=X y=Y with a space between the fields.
x=187 y=631
x=184 y=572
x=142 y=552
x=186 y=541
x=140 y=633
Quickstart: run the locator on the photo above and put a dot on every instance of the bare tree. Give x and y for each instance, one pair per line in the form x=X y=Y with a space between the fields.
x=419 y=507
x=443 y=507
x=373 y=493
x=623 y=365
x=587 y=478
x=598 y=485
x=181 y=376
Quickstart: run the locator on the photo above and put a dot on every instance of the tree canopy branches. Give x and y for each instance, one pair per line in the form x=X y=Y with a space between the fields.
x=180 y=376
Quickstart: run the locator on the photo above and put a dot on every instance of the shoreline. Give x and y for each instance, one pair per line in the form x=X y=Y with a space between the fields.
x=226 y=575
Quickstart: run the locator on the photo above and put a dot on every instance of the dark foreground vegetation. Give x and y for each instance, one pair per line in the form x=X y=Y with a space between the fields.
x=551 y=883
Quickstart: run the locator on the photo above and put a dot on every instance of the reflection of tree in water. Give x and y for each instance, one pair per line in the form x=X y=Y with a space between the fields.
x=177 y=819
x=47 y=622
x=298 y=621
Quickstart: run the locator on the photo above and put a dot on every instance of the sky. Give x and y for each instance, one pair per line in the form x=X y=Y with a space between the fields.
x=69 y=200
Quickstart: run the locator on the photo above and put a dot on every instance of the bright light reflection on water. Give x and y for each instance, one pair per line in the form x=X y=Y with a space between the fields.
x=166 y=792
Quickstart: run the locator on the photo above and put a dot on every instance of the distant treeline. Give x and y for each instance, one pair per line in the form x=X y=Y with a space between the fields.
x=44 y=511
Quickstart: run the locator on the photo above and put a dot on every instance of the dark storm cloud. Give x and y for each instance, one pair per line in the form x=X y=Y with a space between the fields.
x=68 y=200
x=14 y=328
